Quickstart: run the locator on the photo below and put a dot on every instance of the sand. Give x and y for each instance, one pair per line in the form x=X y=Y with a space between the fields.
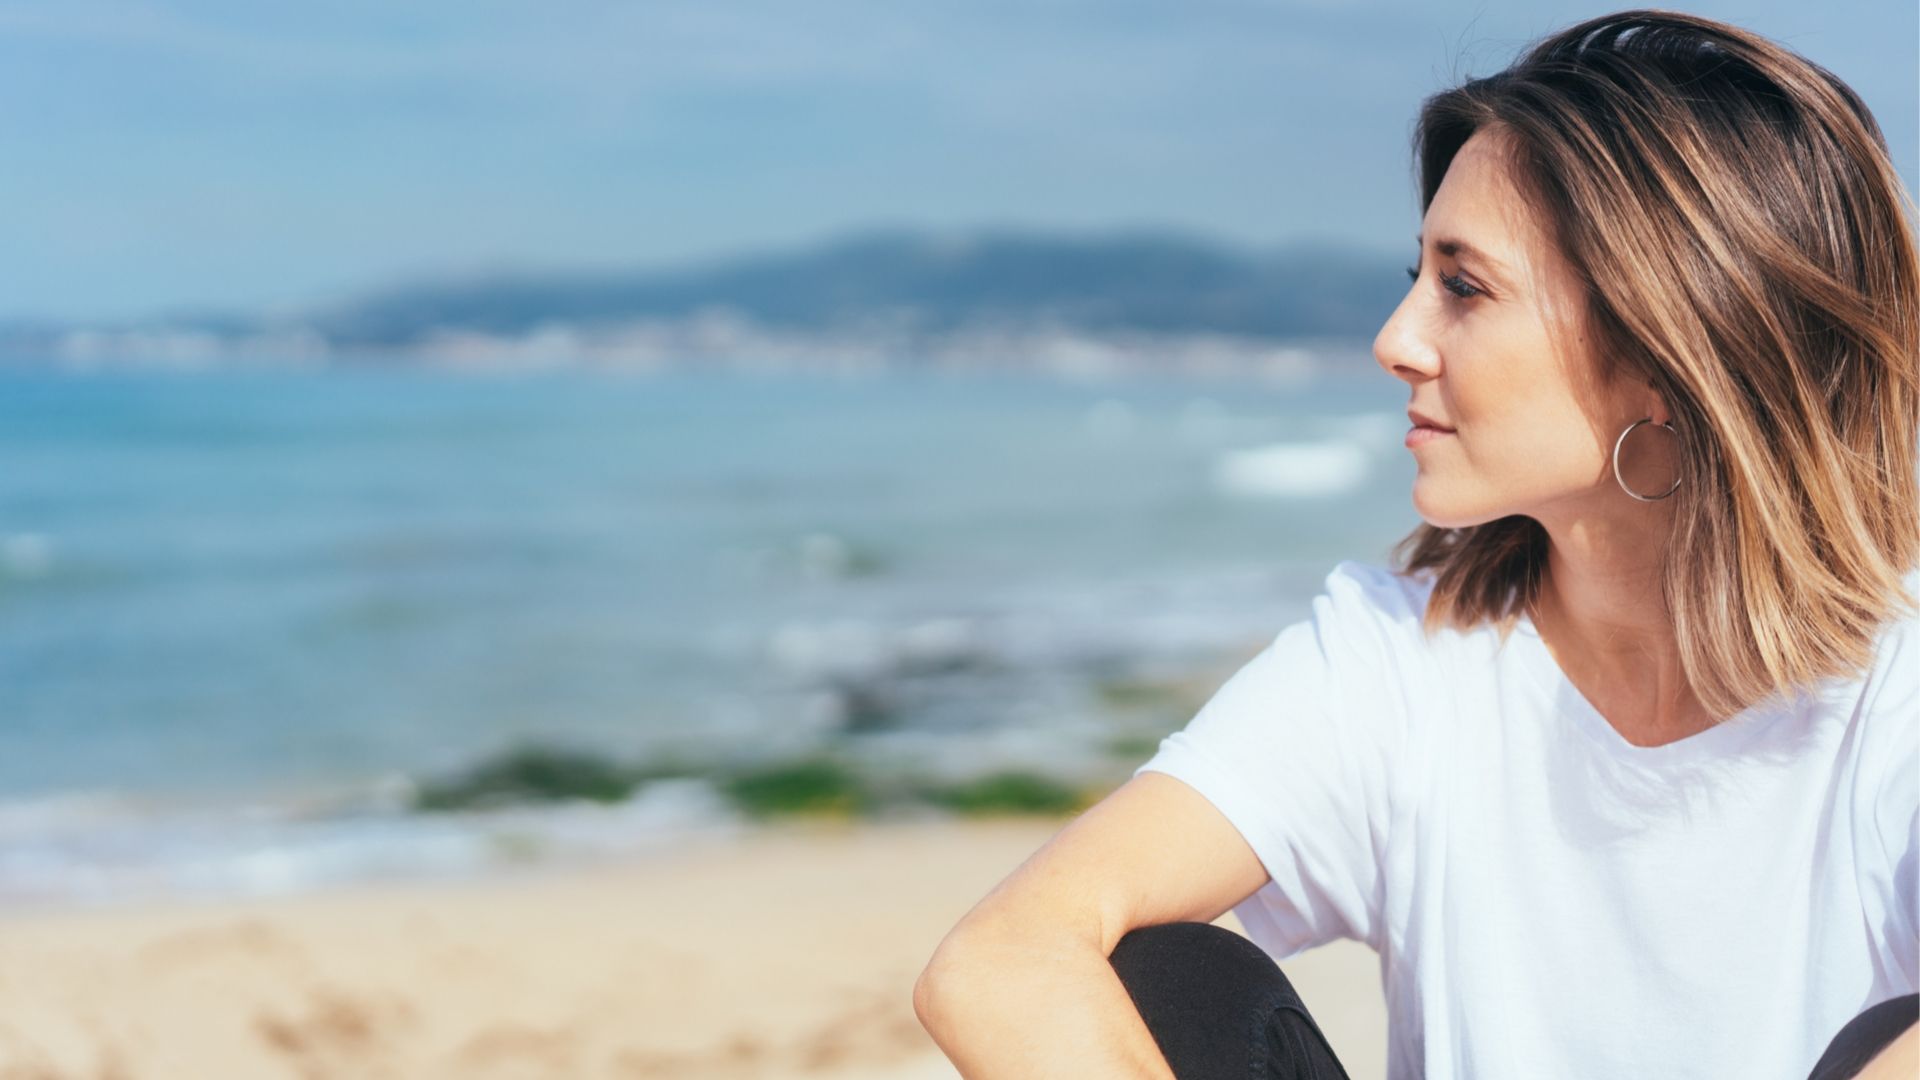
x=787 y=952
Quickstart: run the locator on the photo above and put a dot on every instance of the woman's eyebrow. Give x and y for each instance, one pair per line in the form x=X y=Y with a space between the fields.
x=1452 y=247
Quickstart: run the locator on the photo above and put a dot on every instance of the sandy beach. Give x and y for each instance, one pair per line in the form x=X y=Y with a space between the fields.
x=787 y=952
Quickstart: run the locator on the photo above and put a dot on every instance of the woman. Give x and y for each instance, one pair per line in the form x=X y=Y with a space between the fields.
x=1619 y=768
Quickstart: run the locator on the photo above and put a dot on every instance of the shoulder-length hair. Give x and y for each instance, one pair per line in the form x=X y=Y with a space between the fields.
x=1747 y=248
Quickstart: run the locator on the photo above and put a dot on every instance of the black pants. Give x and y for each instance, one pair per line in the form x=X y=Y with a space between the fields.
x=1221 y=1010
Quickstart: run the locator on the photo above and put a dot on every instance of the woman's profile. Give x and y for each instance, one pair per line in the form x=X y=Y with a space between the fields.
x=1617 y=764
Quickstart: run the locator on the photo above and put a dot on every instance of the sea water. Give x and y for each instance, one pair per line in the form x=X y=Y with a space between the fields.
x=241 y=613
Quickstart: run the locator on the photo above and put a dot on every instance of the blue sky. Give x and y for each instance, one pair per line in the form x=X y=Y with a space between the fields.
x=241 y=155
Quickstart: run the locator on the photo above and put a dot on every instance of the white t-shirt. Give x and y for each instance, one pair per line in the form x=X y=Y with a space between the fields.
x=1548 y=899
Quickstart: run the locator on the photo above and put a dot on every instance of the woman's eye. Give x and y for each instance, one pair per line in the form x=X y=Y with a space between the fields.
x=1453 y=283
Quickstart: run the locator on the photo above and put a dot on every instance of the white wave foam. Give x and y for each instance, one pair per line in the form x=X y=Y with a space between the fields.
x=853 y=648
x=84 y=853
x=1293 y=469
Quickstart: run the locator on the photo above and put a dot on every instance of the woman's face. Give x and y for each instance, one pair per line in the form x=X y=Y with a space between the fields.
x=1489 y=340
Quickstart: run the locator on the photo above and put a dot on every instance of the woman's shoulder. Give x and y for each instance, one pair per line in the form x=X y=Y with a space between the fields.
x=1373 y=614
x=1383 y=610
x=1379 y=592
x=1892 y=687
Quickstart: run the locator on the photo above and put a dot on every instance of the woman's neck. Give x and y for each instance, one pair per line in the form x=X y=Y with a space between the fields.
x=1601 y=613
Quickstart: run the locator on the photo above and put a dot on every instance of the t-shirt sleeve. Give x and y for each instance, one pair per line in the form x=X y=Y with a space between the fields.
x=1893 y=805
x=1297 y=750
x=1903 y=932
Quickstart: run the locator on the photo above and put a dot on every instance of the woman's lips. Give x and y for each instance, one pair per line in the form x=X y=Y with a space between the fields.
x=1420 y=435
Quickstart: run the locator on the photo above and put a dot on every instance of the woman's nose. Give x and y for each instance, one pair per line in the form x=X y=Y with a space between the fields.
x=1401 y=350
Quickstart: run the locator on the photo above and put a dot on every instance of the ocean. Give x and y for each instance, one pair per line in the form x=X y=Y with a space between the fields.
x=243 y=615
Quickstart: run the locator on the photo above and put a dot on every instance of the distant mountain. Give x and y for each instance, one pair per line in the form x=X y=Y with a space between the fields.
x=870 y=299
x=1156 y=282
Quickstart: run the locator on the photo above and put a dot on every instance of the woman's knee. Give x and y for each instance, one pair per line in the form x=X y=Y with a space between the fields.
x=1863 y=1037
x=1217 y=1004
x=1195 y=960
x=1200 y=988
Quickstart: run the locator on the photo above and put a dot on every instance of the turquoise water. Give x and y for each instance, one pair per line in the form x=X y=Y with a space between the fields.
x=227 y=587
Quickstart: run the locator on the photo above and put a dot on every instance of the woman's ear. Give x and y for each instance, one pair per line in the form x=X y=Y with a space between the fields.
x=1657 y=406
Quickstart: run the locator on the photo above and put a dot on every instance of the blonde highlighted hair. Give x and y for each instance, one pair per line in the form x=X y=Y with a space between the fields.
x=1746 y=248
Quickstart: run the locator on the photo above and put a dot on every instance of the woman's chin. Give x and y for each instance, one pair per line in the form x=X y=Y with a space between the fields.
x=1430 y=503
x=1444 y=510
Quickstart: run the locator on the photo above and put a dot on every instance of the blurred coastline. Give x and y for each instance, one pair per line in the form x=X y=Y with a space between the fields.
x=1020 y=301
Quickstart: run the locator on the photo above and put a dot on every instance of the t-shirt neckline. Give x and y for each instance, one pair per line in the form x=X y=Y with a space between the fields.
x=1726 y=737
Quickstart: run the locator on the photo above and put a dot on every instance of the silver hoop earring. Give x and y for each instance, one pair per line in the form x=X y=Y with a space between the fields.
x=1617 y=443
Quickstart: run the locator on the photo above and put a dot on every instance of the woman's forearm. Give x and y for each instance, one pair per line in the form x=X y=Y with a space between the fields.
x=1023 y=1006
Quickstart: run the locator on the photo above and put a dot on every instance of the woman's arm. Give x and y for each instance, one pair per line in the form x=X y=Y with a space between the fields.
x=1023 y=986
x=1035 y=1005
